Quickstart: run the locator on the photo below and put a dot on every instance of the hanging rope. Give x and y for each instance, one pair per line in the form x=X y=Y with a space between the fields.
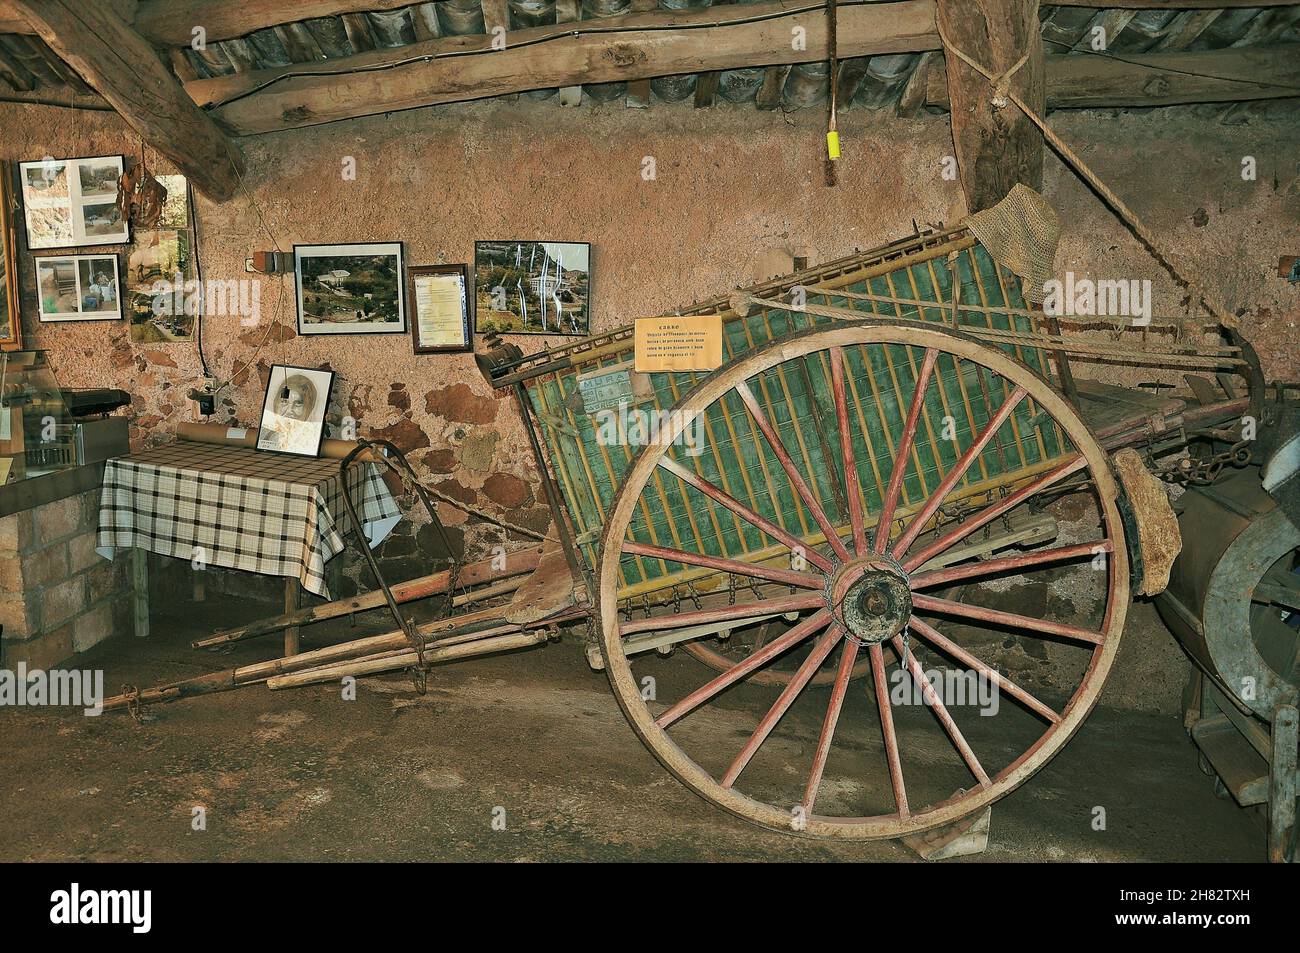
x=1002 y=94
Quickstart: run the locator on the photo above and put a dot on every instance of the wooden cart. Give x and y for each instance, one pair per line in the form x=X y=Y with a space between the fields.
x=800 y=515
x=804 y=521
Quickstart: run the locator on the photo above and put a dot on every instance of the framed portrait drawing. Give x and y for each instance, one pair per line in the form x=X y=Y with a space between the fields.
x=440 y=308
x=70 y=203
x=78 y=288
x=350 y=289
x=293 y=411
x=532 y=287
x=11 y=327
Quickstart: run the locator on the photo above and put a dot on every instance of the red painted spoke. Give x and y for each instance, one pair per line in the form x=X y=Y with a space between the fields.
x=744 y=610
x=990 y=567
x=806 y=580
x=851 y=485
x=838 y=691
x=745 y=513
x=990 y=513
x=931 y=635
x=941 y=712
x=801 y=678
x=732 y=675
x=796 y=479
x=957 y=472
x=903 y=450
x=946 y=607
x=887 y=729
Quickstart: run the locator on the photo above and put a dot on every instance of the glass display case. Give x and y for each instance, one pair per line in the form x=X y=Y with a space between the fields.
x=37 y=433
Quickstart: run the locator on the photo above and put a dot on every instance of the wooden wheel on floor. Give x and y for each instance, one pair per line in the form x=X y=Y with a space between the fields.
x=868 y=585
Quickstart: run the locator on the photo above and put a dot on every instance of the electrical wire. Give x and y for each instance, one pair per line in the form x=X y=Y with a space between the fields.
x=596 y=30
x=1170 y=69
x=592 y=30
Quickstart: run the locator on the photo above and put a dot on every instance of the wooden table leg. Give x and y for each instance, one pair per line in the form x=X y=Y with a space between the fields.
x=291 y=589
x=140 y=590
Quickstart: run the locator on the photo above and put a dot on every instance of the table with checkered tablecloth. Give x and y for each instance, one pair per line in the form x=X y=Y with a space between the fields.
x=240 y=508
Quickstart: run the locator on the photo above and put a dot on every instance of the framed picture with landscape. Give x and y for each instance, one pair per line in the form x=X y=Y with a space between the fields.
x=532 y=287
x=350 y=289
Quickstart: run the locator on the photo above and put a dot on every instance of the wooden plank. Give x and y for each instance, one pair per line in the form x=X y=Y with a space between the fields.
x=769 y=94
x=706 y=84
x=496 y=13
x=569 y=11
x=912 y=98
x=357 y=28
x=1160 y=79
x=140 y=591
x=128 y=73
x=182 y=66
x=550 y=56
x=638 y=93
x=706 y=89
x=292 y=634
x=997 y=145
x=170 y=22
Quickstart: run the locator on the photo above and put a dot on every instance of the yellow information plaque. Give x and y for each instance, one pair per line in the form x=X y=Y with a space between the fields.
x=679 y=343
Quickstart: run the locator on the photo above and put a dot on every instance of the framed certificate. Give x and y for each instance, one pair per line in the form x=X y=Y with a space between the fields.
x=440 y=294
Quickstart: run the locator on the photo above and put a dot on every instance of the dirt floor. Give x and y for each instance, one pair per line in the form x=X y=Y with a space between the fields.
x=303 y=775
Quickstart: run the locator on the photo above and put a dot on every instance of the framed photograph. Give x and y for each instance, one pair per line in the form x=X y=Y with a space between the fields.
x=72 y=202
x=162 y=306
x=350 y=289
x=532 y=287
x=293 y=411
x=79 y=288
x=11 y=327
x=440 y=308
x=176 y=210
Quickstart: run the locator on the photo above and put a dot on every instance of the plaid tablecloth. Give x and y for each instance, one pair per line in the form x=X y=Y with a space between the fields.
x=241 y=508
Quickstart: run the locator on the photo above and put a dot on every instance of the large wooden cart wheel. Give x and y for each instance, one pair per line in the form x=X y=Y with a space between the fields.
x=852 y=761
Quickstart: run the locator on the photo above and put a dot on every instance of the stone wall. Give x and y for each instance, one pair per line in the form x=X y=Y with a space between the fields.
x=57 y=595
x=731 y=184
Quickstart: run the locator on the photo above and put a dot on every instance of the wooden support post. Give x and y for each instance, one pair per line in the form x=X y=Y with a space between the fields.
x=769 y=94
x=292 y=633
x=997 y=146
x=568 y=11
x=128 y=72
x=638 y=94
x=1282 y=786
x=140 y=590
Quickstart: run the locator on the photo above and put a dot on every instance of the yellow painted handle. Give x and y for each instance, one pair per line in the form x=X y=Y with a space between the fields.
x=833 y=145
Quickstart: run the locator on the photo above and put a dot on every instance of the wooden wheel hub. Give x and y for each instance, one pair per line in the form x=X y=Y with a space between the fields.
x=871 y=599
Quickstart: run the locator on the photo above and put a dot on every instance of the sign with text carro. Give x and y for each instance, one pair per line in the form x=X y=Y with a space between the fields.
x=679 y=343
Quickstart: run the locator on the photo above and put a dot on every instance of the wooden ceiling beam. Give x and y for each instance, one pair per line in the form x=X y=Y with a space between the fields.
x=129 y=74
x=172 y=22
x=1078 y=81
x=457 y=69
